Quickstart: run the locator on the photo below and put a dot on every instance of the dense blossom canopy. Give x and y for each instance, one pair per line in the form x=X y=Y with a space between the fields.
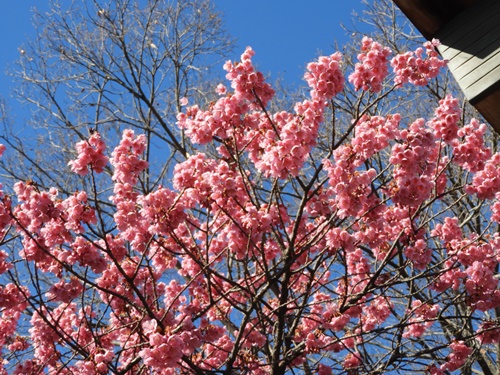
x=271 y=253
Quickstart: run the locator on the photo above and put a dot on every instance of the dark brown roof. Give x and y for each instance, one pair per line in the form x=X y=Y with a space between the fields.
x=430 y=15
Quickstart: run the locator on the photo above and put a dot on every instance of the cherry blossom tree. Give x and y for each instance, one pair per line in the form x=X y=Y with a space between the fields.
x=347 y=235
x=286 y=241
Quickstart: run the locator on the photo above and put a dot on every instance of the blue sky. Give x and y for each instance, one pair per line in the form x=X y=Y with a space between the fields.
x=286 y=34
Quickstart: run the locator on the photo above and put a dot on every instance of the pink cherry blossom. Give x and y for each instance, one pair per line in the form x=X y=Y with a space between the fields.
x=457 y=358
x=373 y=134
x=423 y=316
x=126 y=158
x=445 y=124
x=486 y=182
x=372 y=69
x=222 y=120
x=376 y=313
x=221 y=89
x=324 y=77
x=495 y=209
x=352 y=360
x=248 y=83
x=471 y=152
x=419 y=254
x=90 y=154
x=66 y=291
x=4 y=262
x=415 y=68
x=164 y=210
x=489 y=332
x=324 y=370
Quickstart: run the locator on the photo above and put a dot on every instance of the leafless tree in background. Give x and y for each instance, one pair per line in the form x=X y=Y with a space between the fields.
x=107 y=65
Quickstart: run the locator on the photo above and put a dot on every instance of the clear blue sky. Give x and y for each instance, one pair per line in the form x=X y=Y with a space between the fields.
x=286 y=34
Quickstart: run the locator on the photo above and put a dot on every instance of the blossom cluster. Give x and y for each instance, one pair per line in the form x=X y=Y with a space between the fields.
x=471 y=153
x=278 y=144
x=415 y=68
x=325 y=77
x=90 y=154
x=415 y=163
x=459 y=355
x=370 y=72
x=445 y=124
x=423 y=318
x=248 y=83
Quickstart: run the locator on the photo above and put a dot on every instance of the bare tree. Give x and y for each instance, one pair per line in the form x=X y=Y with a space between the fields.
x=108 y=65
